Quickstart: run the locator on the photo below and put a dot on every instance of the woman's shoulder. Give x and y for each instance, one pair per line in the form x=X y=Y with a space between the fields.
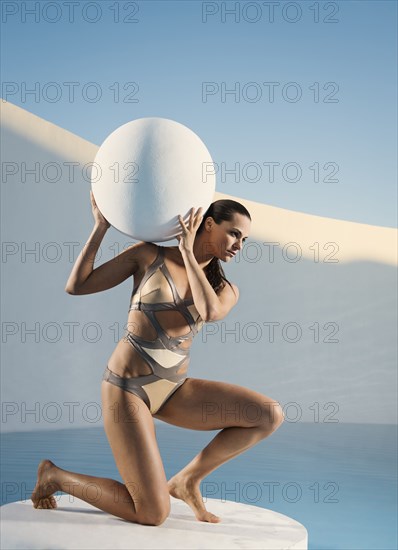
x=143 y=253
x=147 y=252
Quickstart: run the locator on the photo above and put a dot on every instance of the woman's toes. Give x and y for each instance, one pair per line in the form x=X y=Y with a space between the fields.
x=48 y=503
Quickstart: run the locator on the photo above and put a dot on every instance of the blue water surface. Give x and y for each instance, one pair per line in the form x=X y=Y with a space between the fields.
x=338 y=480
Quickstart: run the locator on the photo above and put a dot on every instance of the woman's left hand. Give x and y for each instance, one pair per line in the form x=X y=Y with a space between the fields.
x=187 y=237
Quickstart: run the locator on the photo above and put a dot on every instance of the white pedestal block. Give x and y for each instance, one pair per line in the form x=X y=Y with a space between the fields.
x=78 y=525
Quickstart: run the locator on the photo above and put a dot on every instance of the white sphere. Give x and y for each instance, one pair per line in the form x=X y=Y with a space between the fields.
x=147 y=172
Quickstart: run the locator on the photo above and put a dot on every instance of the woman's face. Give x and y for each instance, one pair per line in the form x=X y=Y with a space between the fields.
x=227 y=238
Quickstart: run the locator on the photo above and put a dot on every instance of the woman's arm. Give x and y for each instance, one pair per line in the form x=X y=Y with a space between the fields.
x=83 y=279
x=84 y=264
x=210 y=306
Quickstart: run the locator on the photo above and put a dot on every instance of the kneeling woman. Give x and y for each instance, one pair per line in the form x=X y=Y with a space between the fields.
x=176 y=290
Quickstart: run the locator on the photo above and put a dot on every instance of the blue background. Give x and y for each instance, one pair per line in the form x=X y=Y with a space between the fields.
x=171 y=49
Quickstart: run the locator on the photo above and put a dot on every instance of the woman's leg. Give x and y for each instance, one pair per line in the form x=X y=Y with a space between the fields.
x=244 y=416
x=144 y=496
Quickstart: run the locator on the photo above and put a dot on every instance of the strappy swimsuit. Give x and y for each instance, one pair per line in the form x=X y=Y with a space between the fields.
x=157 y=292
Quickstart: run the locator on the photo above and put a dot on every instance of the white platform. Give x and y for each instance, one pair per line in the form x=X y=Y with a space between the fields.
x=78 y=525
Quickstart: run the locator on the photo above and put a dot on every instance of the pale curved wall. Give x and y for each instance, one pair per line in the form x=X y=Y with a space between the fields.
x=352 y=301
x=355 y=241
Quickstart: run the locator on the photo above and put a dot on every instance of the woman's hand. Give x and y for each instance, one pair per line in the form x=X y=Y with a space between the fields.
x=98 y=217
x=187 y=237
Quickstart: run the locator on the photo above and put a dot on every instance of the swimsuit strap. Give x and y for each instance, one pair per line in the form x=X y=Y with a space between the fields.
x=177 y=305
x=151 y=269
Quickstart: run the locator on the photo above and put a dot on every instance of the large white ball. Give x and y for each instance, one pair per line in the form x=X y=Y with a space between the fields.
x=147 y=172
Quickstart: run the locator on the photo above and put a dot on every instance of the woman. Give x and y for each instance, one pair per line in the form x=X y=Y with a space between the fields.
x=176 y=290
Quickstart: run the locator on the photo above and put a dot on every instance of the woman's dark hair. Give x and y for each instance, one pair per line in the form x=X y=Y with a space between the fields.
x=221 y=210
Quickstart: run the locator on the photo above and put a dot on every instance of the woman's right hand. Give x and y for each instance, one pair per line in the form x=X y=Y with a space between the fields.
x=98 y=217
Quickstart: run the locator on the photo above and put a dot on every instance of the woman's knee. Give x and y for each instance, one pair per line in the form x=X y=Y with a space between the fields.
x=278 y=416
x=154 y=512
x=272 y=416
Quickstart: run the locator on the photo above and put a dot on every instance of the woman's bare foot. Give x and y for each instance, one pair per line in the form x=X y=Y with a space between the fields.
x=45 y=486
x=188 y=490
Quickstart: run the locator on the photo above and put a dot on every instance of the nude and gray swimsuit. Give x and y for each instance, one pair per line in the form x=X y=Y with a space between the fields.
x=157 y=292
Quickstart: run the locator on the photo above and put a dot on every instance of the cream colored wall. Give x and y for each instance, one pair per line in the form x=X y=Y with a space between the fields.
x=337 y=299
